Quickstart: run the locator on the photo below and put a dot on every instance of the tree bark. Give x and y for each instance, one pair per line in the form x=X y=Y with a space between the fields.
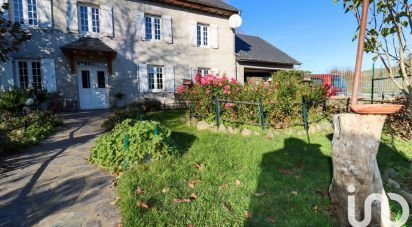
x=355 y=146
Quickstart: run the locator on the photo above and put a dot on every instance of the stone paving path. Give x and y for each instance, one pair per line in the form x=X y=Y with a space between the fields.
x=53 y=184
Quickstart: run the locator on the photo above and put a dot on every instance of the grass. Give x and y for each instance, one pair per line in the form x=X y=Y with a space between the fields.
x=233 y=180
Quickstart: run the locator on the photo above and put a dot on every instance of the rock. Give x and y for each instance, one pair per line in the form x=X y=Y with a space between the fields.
x=270 y=134
x=202 y=125
x=393 y=184
x=222 y=129
x=246 y=132
x=233 y=130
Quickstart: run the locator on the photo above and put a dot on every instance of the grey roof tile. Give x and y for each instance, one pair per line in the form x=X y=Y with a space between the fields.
x=89 y=44
x=255 y=49
x=216 y=3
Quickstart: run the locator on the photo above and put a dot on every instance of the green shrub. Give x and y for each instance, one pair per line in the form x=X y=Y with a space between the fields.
x=17 y=132
x=146 y=140
x=13 y=100
x=281 y=98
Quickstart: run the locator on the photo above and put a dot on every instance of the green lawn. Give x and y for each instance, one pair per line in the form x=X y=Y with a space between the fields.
x=236 y=180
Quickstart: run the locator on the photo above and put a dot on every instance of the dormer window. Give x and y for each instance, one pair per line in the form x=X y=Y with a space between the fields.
x=89 y=18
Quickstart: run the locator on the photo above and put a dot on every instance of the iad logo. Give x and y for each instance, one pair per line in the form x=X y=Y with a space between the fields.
x=385 y=210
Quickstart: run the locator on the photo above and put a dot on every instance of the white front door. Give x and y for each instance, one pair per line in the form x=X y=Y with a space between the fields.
x=93 y=88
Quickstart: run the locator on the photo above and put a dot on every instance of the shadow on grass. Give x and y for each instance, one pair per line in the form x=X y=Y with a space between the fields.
x=183 y=141
x=293 y=185
x=294 y=180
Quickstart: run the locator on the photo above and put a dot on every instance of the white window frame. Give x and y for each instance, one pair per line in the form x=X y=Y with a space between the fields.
x=156 y=69
x=204 y=35
x=33 y=12
x=90 y=19
x=203 y=71
x=29 y=63
x=18 y=7
x=153 y=28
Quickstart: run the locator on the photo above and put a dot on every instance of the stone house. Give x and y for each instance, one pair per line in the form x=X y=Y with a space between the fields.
x=91 y=50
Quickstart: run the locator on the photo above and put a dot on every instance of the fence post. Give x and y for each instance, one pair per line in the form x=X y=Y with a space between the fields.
x=305 y=115
x=261 y=115
x=373 y=82
x=217 y=111
x=126 y=142
x=190 y=110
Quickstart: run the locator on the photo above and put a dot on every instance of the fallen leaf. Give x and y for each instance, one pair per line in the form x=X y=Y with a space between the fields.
x=182 y=200
x=190 y=225
x=193 y=196
x=260 y=194
x=198 y=166
x=192 y=183
x=223 y=186
x=165 y=190
x=115 y=201
x=248 y=214
x=142 y=205
x=139 y=191
x=272 y=220
x=119 y=225
x=286 y=171
x=237 y=182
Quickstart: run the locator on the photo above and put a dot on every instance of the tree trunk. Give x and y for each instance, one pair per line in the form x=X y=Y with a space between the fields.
x=355 y=146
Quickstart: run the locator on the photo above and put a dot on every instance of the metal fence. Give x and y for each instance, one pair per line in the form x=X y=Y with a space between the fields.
x=375 y=83
x=217 y=108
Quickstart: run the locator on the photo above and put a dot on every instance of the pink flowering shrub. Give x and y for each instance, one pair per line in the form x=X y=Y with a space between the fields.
x=281 y=98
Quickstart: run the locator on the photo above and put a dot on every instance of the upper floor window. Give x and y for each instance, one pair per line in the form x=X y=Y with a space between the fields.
x=155 y=77
x=20 y=15
x=32 y=12
x=202 y=35
x=152 y=24
x=89 y=19
x=29 y=74
x=18 y=11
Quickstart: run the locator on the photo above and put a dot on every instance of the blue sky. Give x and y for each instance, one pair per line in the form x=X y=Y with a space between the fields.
x=315 y=32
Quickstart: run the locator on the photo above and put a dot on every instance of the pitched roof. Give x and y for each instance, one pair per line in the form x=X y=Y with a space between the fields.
x=219 y=7
x=89 y=44
x=255 y=49
x=216 y=3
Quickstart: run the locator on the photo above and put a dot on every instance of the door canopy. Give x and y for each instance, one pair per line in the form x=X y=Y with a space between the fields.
x=89 y=48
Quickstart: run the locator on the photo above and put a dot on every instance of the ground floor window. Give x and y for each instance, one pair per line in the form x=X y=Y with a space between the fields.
x=203 y=71
x=29 y=74
x=155 y=77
